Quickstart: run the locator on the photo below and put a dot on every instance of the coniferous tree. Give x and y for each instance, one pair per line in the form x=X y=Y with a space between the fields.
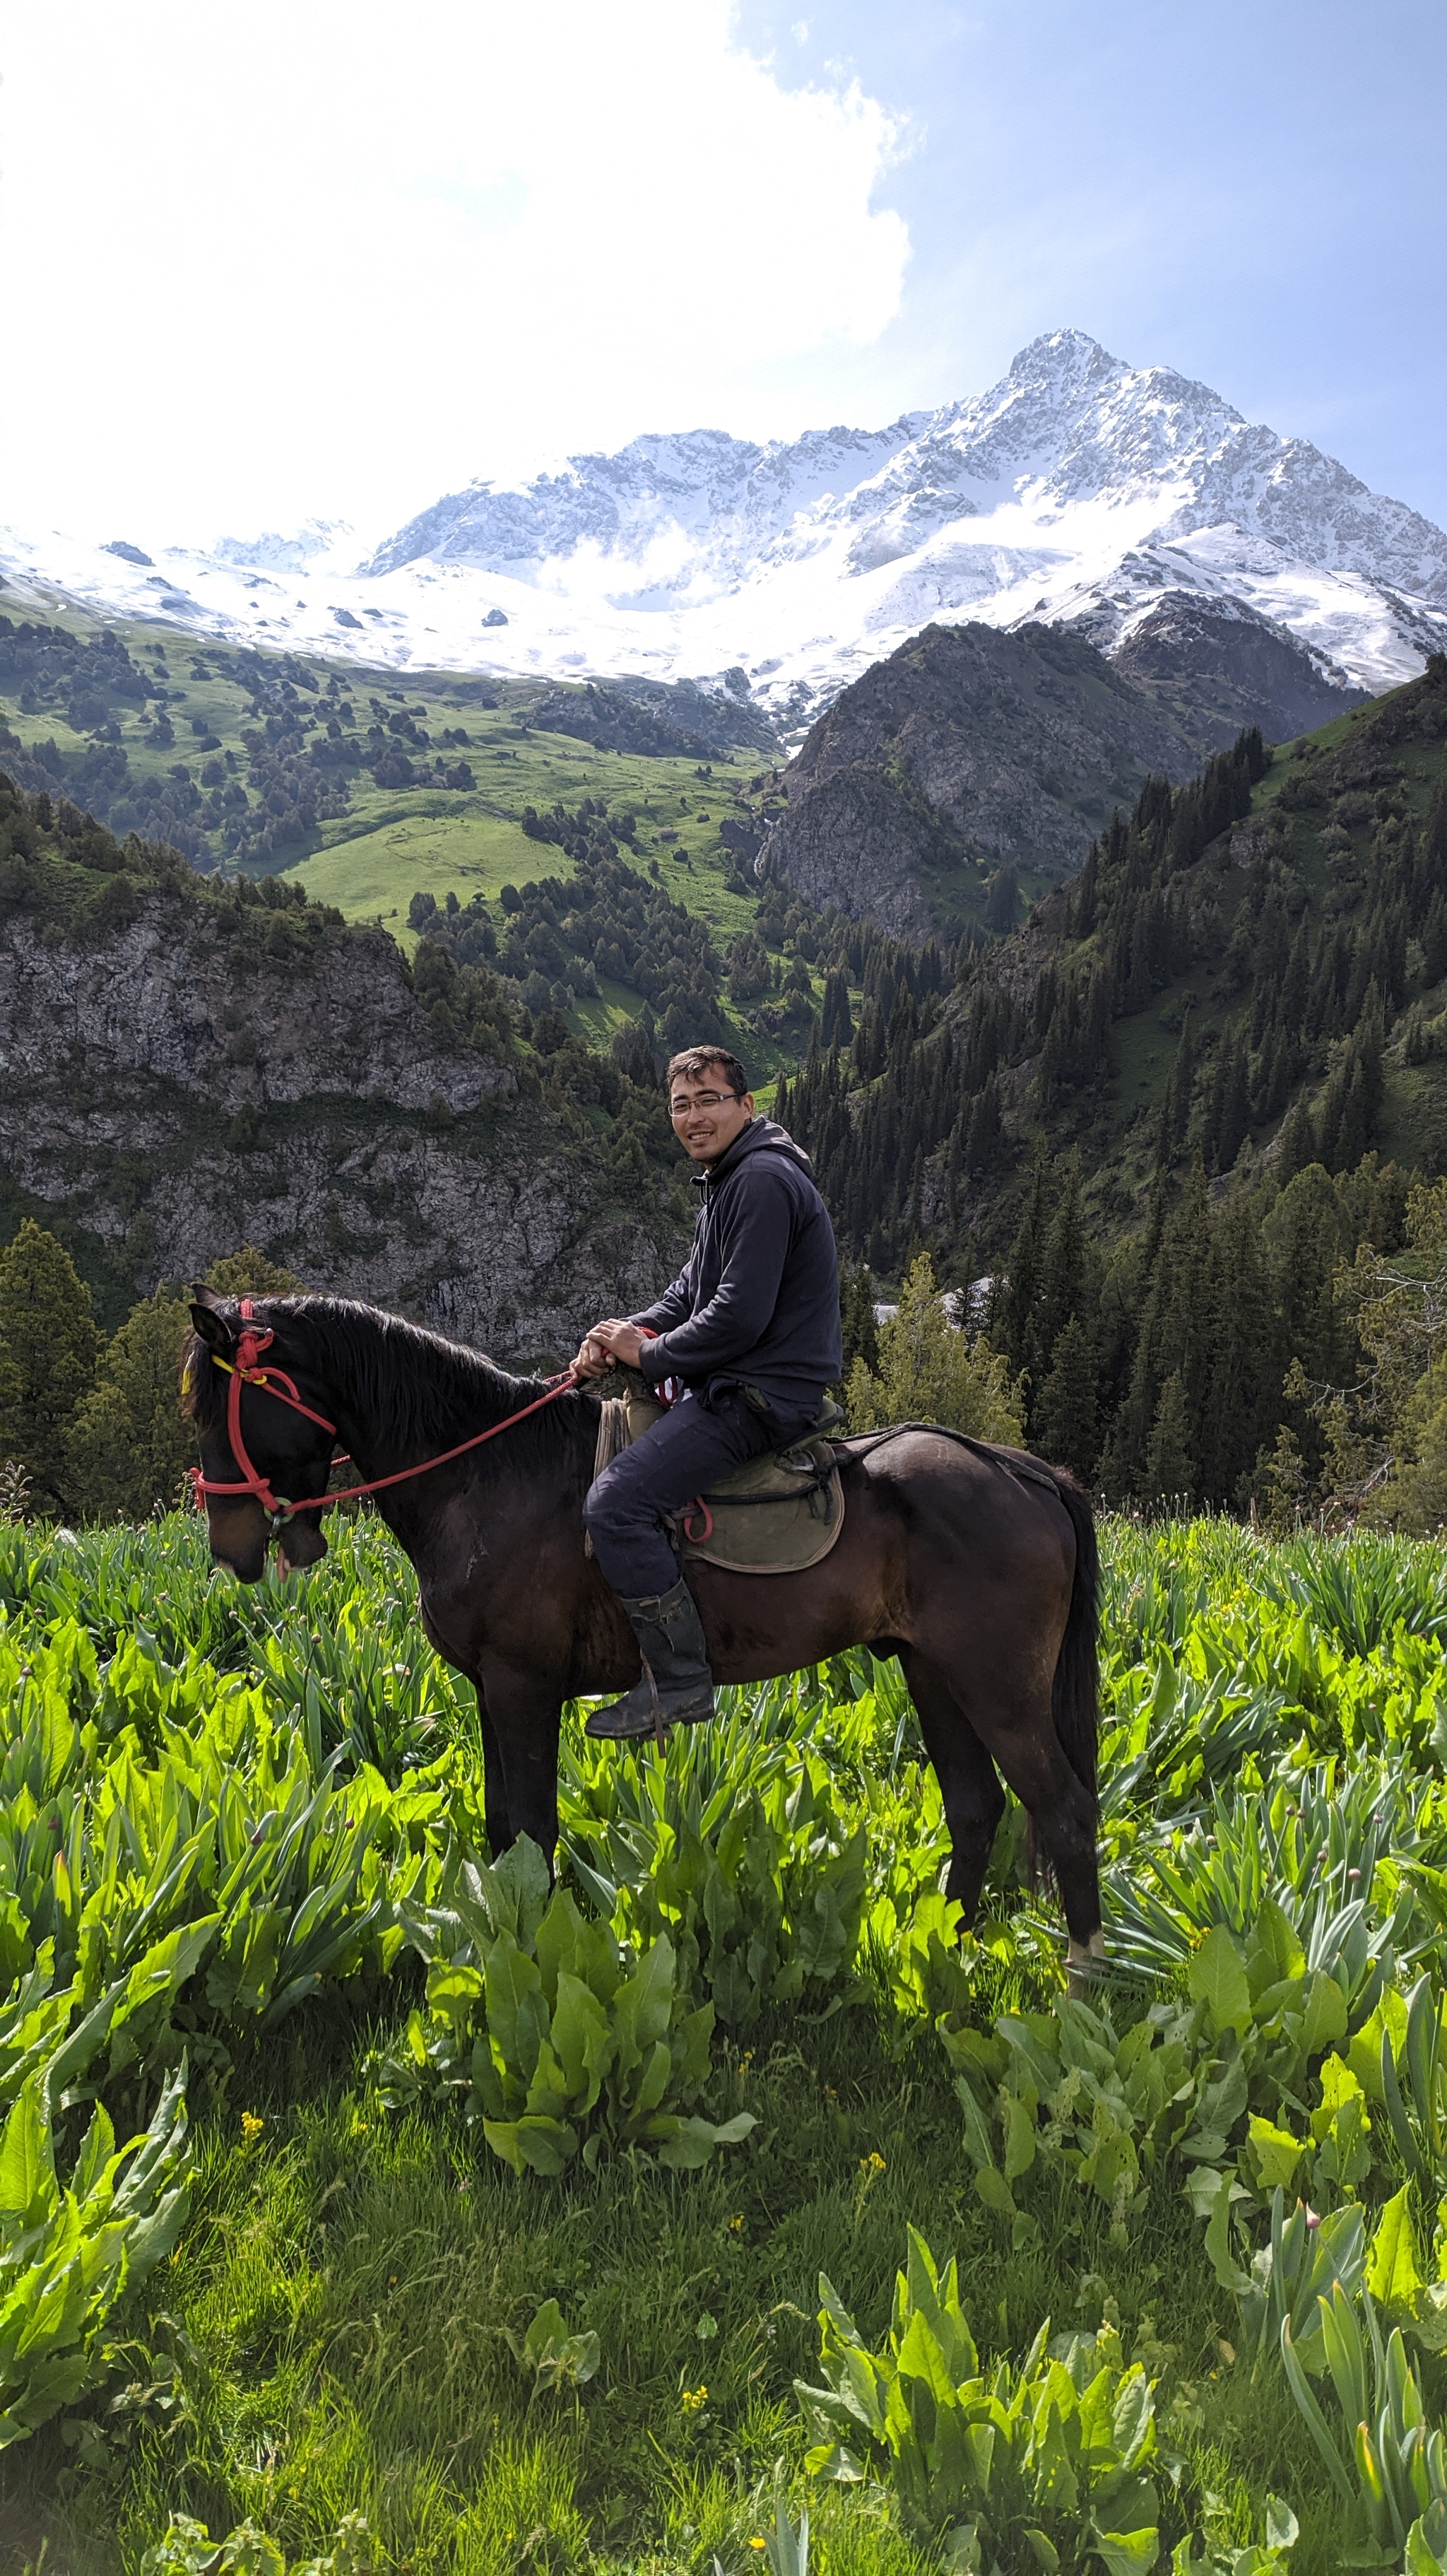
x=1304 y=1235
x=1297 y=1146
x=1172 y=1336
x=837 y=1021
x=1013 y=1323
x=49 y=1347
x=129 y=1443
x=1244 y=1368
x=1182 y=1084
x=860 y=1330
x=1083 y=906
x=1065 y=1421
x=930 y=1371
x=1170 y=1465
x=1231 y=1103
x=1063 y=1271
x=1002 y=905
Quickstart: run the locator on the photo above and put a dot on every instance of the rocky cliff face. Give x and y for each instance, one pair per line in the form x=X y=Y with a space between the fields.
x=966 y=749
x=1221 y=667
x=174 y=1094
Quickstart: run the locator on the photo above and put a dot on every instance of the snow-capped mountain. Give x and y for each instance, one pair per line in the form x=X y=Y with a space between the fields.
x=1077 y=491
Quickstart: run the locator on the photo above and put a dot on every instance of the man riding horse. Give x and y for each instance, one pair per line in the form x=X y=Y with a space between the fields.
x=975 y=1565
x=748 y=1334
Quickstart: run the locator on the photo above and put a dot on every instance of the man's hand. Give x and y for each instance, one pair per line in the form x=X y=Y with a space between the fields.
x=608 y=1345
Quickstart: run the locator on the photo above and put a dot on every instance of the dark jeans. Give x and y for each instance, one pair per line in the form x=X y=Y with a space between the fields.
x=683 y=1455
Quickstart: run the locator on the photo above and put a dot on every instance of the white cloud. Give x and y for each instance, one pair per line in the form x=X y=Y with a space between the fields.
x=321 y=257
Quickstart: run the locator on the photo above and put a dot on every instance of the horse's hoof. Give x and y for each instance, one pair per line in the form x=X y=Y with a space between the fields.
x=1083 y=1963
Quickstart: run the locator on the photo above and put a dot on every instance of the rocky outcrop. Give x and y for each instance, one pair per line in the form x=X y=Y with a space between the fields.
x=851 y=840
x=176 y=995
x=1222 y=668
x=173 y=1092
x=966 y=749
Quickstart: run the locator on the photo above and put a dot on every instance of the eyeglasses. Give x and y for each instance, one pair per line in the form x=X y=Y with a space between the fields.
x=701 y=1100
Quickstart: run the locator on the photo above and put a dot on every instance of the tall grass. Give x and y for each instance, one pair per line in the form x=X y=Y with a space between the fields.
x=341 y=2326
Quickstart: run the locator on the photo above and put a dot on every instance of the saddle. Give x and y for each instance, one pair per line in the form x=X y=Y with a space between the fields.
x=777 y=1514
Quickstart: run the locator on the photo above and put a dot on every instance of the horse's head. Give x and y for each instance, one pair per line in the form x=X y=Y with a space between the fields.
x=274 y=1455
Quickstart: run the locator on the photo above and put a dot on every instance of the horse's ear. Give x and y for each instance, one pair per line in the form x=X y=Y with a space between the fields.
x=211 y=1327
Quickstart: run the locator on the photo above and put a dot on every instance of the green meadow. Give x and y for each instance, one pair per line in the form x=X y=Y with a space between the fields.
x=392 y=842
x=418 y=2250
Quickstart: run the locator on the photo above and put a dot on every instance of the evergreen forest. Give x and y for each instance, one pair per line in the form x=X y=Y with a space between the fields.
x=1170 y=1138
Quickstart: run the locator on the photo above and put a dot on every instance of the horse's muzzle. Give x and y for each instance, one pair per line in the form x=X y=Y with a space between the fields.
x=241 y=1537
x=301 y=1543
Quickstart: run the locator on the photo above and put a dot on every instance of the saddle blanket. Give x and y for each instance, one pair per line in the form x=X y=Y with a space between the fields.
x=777 y=1514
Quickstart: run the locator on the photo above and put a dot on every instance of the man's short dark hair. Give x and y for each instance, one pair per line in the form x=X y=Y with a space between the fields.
x=694 y=1061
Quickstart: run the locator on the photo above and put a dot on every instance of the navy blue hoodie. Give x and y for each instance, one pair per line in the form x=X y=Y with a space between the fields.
x=757 y=1302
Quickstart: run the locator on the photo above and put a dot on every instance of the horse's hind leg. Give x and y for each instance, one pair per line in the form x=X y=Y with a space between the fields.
x=1019 y=1730
x=1013 y=1729
x=973 y=1798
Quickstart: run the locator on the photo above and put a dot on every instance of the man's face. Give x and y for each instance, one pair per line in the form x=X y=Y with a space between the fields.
x=706 y=1115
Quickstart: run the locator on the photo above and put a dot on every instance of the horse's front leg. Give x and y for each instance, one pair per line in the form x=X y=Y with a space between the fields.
x=522 y=1714
x=500 y=1830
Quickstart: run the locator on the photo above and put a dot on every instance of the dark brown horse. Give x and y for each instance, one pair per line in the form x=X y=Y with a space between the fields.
x=975 y=1565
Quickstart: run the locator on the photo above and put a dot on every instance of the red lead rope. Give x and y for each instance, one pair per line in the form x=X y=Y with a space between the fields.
x=243 y=1371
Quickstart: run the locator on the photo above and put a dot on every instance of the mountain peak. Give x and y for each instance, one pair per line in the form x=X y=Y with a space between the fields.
x=1060 y=354
x=1077 y=491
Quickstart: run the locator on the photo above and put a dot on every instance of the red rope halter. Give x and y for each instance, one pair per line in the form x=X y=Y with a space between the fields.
x=243 y=1371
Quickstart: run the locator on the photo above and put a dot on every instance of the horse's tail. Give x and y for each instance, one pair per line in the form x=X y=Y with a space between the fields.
x=1075 y=1692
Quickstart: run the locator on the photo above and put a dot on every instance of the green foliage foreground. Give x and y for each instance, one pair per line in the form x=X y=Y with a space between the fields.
x=367 y=2206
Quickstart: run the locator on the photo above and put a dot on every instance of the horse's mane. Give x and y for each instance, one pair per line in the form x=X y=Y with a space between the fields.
x=413 y=1388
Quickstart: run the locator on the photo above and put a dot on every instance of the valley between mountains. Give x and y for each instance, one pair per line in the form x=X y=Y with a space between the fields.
x=1081 y=925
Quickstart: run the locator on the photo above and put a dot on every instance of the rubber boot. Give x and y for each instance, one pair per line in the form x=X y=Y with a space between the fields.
x=677 y=1686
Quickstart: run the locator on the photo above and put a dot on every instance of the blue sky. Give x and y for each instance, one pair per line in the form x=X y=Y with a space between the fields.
x=316 y=261
x=1253 y=194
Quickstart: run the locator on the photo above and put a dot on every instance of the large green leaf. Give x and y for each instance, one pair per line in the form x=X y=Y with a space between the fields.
x=1392 y=2275
x=517 y=2014
x=580 y=2038
x=27 y=2160
x=1129 y=2553
x=1217 y=1979
x=643 y=2006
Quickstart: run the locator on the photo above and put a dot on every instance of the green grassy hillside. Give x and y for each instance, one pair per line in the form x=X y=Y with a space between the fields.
x=1329 y=825
x=82 y=708
x=279 y=764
